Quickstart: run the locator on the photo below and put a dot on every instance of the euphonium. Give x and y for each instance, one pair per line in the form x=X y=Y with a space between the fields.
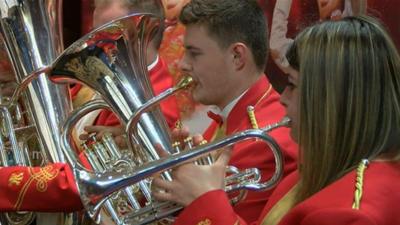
x=32 y=33
x=111 y=60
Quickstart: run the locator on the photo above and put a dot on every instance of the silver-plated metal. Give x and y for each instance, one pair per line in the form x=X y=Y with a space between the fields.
x=33 y=36
x=95 y=187
x=133 y=124
x=32 y=32
x=111 y=61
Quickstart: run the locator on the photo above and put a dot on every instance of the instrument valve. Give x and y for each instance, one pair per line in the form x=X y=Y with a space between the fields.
x=203 y=142
x=189 y=142
x=176 y=146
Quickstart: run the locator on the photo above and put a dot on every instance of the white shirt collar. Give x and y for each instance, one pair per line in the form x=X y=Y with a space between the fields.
x=228 y=108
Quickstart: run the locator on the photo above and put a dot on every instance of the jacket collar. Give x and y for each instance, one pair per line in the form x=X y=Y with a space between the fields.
x=257 y=92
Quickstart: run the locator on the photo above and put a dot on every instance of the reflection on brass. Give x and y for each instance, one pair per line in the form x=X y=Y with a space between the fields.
x=32 y=118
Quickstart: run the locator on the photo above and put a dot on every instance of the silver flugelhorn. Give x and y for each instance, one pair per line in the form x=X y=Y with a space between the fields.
x=95 y=188
x=32 y=32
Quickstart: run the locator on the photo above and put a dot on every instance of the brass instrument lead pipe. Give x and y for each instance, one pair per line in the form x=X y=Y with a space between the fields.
x=131 y=126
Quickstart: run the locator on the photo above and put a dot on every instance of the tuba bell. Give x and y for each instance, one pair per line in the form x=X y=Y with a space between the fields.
x=31 y=32
x=110 y=60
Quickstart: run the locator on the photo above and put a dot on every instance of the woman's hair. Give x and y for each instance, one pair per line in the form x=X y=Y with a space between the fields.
x=349 y=98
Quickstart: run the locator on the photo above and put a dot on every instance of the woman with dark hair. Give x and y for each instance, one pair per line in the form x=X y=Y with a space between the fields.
x=343 y=99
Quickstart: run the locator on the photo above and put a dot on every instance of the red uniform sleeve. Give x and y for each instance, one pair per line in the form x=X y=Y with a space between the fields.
x=107 y=118
x=336 y=216
x=213 y=208
x=44 y=189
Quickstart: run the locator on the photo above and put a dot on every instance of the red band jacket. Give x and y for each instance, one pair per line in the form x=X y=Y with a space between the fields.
x=253 y=153
x=332 y=205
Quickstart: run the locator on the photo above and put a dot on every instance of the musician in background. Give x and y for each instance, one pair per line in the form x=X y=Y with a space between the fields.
x=43 y=189
x=343 y=100
x=46 y=189
x=52 y=188
x=226 y=51
x=299 y=14
x=7 y=78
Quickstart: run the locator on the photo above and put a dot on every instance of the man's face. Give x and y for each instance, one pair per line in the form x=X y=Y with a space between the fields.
x=105 y=13
x=209 y=66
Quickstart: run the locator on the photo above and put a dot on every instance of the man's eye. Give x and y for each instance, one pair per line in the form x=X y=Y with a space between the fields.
x=194 y=54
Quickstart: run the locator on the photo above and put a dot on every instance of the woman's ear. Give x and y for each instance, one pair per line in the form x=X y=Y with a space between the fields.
x=239 y=55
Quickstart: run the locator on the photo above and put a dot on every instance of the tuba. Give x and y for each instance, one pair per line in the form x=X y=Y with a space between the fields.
x=31 y=31
x=110 y=60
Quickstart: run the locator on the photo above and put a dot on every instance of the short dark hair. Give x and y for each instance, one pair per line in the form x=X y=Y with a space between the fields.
x=230 y=21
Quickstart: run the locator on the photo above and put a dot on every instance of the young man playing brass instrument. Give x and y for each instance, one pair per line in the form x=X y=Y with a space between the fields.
x=226 y=50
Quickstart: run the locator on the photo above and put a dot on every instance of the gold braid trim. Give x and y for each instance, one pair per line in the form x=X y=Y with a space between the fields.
x=178 y=124
x=42 y=177
x=252 y=117
x=264 y=95
x=359 y=183
x=251 y=109
x=15 y=179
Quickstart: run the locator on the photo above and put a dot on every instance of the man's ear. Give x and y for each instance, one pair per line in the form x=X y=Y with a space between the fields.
x=239 y=54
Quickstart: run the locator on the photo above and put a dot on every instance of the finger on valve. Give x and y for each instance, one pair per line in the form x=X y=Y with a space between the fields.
x=159 y=189
x=178 y=136
x=101 y=130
